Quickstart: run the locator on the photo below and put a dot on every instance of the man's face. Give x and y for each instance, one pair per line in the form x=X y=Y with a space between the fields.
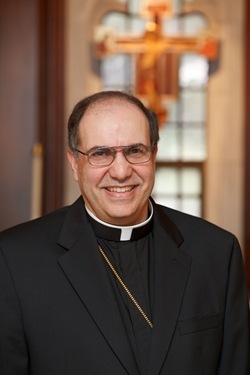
x=117 y=193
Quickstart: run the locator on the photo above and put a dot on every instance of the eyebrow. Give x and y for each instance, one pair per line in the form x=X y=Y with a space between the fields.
x=131 y=145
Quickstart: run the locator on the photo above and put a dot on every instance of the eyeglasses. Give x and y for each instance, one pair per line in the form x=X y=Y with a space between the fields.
x=103 y=156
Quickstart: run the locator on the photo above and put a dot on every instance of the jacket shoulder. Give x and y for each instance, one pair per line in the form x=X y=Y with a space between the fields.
x=195 y=227
x=37 y=228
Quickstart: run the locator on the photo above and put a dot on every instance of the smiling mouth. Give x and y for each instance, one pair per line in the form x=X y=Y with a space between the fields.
x=123 y=189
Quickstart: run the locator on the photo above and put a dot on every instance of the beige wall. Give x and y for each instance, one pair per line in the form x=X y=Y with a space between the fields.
x=224 y=167
x=225 y=164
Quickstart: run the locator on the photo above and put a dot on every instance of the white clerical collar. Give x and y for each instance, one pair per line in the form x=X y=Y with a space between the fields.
x=123 y=233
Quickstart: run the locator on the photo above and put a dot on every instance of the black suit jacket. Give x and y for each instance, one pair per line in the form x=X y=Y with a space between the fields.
x=59 y=315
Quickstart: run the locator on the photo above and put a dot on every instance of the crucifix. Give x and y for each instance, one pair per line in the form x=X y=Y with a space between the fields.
x=157 y=59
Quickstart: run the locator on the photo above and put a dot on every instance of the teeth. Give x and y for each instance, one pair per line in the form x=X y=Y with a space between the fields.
x=120 y=189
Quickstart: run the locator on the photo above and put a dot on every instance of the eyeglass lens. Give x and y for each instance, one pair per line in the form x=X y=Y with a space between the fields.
x=135 y=154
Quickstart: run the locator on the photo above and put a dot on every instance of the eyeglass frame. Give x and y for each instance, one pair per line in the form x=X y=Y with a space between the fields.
x=114 y=150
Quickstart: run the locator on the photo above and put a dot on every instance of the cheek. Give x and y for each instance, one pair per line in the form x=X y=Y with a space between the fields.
x=147 y=174
x=91 y=177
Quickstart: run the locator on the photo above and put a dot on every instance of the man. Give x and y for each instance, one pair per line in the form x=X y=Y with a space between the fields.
x=116 y=284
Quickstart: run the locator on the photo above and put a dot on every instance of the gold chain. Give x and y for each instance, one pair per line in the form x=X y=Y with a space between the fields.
x=125 y=288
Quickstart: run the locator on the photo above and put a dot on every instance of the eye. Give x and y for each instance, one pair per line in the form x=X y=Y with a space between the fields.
x=136 y=150
x=100 y=152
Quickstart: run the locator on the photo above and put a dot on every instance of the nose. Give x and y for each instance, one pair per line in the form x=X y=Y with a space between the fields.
x=120 y=169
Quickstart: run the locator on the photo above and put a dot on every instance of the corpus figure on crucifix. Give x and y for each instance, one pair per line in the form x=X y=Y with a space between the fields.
x=157 y=59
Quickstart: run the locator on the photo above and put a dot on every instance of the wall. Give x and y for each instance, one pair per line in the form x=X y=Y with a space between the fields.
x=18 y=107
x=225 y=164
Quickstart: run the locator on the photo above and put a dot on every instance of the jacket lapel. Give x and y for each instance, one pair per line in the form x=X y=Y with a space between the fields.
x=84 y=268
x=171 y=270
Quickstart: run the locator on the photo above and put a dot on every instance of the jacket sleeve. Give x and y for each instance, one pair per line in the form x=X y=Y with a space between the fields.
x=235 y=347
x=13 y=347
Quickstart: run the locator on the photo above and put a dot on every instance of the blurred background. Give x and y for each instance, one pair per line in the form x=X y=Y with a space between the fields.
x=187 y=60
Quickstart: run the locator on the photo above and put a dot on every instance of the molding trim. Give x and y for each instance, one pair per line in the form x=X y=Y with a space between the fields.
x=51 y=100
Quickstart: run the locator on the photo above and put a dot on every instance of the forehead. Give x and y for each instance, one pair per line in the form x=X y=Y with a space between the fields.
x=112 y=121
x=105 y=106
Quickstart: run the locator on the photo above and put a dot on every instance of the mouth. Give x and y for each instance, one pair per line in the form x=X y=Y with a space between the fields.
x=120 y=189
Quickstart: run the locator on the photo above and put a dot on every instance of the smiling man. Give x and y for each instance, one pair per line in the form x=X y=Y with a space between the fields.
x=115 y=184
x=115 y=283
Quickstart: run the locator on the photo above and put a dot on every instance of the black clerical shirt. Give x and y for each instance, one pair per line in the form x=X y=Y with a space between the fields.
x=132 y=259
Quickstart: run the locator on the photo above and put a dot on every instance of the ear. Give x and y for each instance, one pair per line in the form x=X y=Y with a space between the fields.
x=73 y=162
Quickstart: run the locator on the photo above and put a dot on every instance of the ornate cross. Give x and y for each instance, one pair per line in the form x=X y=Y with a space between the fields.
x=157 y=58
